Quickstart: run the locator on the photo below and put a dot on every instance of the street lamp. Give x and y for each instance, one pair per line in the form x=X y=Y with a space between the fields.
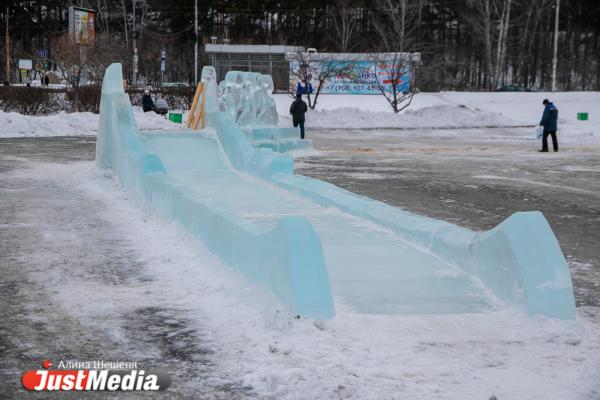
x=135 y=55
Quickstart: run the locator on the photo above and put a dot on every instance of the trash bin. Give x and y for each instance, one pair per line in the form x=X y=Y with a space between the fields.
x=582 y=116
x=176 y=117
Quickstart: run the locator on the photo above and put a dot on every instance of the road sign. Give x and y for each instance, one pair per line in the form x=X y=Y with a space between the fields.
x=25 y=64
x=42 y=53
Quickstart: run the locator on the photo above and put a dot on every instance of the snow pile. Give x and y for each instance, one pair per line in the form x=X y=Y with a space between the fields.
x=440 y=116
x=428 y=117
x=70 y=124
x=454 y=110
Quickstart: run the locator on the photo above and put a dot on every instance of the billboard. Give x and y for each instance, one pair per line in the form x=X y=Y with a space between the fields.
x=81 y=25
x=25 y=64
x=354 y=77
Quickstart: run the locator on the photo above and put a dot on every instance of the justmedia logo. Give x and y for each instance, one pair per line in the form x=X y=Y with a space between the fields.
x=91 y=379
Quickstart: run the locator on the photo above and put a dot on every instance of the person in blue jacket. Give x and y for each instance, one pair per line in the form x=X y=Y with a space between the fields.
x=550 y=124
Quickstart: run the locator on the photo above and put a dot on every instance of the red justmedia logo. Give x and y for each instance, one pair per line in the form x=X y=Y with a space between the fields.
x=93 y=379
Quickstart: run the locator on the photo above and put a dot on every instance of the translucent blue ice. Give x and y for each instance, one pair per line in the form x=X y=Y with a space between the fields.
x=305 y=239
x=286 y=256
x=247 y=96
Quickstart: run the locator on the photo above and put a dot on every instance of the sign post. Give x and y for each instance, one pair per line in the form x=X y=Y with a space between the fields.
x=83 y=32
x=25 y=66
x=163 y=61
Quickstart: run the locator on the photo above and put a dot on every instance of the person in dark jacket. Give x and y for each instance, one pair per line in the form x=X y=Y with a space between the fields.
x=147 y=103
x=298 y=109
x=550 y=124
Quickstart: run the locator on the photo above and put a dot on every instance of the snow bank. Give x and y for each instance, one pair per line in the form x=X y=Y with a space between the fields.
x=444 y=116
x=454 y=110
x=70 y=124
x=428 y=110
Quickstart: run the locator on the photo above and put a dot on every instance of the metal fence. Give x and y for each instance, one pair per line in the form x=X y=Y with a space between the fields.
x=265 y=63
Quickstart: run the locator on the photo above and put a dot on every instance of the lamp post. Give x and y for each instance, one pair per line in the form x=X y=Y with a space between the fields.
x=135 y=55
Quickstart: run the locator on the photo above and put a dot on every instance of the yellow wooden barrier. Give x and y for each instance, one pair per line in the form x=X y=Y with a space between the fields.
x=197 y=118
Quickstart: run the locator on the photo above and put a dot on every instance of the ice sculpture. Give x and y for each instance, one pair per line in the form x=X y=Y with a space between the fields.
x=286 y=257
x=519 y=262
x=313 y=238
x=209 y=77
x=247 y=96
x=266 y=114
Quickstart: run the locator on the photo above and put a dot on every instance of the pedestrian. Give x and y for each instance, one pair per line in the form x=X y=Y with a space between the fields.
x=46 y=80
x=550 y=124
x=147 y=103
x=297 y=110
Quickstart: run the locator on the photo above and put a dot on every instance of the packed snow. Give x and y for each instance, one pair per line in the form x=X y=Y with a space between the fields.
x=454 y=110
x=70 y=124
x=257 y=344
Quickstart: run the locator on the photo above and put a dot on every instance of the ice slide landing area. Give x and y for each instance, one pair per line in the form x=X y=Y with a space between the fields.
x=311 y=243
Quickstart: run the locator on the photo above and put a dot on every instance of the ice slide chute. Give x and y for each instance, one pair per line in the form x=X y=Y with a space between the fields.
x=305 y=239
x=285 y=257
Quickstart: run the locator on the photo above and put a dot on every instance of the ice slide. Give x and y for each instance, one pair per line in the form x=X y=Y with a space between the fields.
x=317 y=246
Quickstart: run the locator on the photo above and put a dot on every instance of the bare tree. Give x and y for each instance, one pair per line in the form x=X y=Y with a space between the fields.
x=504 y=12
x=491 y=23
x=344 y=25
x=308 y=68
x=68 y=58
x=397 y=24
x=394 y=79
x=125 y=22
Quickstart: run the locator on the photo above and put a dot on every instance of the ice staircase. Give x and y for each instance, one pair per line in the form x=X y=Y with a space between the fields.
x=317 y=246
x=278 y=139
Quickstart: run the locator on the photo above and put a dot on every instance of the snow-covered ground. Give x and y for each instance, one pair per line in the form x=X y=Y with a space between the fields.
x=428 y=110
x=70 y=124
x=255 y=343
x=454 y=110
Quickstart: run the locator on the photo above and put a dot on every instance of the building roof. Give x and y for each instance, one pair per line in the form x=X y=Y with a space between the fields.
x=413 y=57
x=251 y=48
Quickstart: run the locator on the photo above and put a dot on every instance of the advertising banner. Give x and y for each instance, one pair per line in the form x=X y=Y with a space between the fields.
x=81 y=25
x=354 y=77
x=25 y=64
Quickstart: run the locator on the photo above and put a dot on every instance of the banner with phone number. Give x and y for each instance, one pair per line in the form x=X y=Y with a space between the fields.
x=355 y=77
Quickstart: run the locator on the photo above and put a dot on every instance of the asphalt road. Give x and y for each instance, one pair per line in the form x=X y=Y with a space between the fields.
x=52 y=269
x=468 y=181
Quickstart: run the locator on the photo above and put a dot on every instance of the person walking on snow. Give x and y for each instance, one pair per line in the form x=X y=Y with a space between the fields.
x=550 y=124
x=297 y=110
x=147 y=103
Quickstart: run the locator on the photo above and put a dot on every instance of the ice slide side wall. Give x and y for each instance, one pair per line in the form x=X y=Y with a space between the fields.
x=287 y=259
x=520 y=260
